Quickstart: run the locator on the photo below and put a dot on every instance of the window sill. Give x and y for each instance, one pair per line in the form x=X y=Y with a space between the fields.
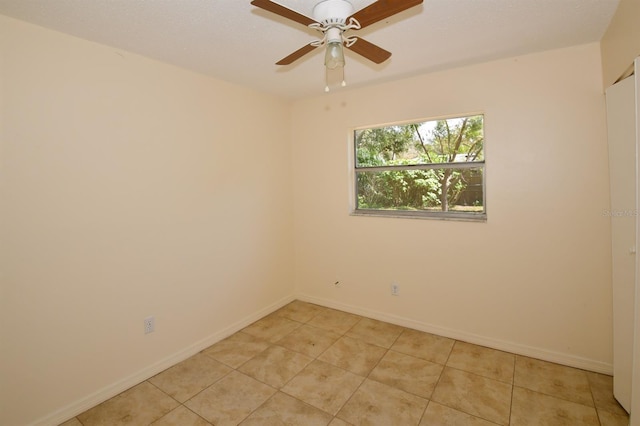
x=402 y=214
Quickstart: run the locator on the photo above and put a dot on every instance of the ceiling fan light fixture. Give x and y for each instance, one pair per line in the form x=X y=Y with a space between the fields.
x=334 y=57
x=334 y=53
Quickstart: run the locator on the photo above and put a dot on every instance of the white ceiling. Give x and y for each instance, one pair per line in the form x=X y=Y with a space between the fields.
x=237 y=42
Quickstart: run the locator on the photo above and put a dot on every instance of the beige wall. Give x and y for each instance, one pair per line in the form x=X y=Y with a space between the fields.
x=621 y=43
x=536 y=277
x=129 y=188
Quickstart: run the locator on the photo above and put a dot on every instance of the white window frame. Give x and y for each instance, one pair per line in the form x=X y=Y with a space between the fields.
x=417 y=214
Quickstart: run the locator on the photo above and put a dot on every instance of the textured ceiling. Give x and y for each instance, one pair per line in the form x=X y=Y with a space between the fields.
x=237 y=42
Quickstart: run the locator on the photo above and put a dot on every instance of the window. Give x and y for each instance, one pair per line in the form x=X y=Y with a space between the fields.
x=428 y=169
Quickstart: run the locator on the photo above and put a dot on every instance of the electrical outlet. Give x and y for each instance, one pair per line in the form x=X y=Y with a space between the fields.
x=149 y=325
x=395 y=289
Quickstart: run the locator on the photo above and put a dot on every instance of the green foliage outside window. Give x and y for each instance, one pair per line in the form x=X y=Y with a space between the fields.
x=435 y=166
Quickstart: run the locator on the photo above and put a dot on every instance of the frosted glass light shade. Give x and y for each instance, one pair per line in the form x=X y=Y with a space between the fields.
x=334 y=57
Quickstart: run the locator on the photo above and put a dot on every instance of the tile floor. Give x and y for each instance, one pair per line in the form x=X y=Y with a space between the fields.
x=309 y=365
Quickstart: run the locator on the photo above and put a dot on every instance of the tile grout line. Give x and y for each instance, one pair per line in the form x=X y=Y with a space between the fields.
x=513 y=387
x=593 y=399
x=335 y=416
x=474 y=374
x=361 y=383
x=439 y=379
x=315 y=358
x=434 y=387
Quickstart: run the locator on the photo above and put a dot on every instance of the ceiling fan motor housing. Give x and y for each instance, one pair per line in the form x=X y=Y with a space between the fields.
x=332 y=12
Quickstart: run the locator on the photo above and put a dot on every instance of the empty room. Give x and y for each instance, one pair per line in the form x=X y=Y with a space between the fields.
x=338 y=212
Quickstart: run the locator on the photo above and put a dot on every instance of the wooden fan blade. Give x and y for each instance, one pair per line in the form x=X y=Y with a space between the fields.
x=370 y=51
x=296 y=55
x=283 y=11
x=382 y=9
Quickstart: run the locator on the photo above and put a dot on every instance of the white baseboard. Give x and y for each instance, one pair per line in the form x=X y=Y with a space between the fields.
x=101 y=395
x=512 y=347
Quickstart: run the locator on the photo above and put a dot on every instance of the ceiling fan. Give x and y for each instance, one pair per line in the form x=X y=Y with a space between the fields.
x=335 y=17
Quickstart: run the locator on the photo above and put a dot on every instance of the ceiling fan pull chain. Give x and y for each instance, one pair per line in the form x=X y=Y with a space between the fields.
x=326 y=80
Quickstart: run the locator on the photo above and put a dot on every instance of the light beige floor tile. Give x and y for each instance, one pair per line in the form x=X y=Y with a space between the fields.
x=181 y=416
x=486 y=362
x=142 y=404
x=611 y=419
x=236 y=349
x=339 y=422
x=335 y=321
x=474 y=389
x=439 y=415
x=272 y=328
x=353 y=355
x=185 y=379
x=553 y=379
x=476 y=395
x=309 y=340
x=532 y=408
x=230 y=400
x=275 y=366
x=424 y=345
x=378 y=404
x=375 y=332
x=283 y=410
x=72 y=422
x=299 y=311
x=602 y=392
x=323 y=386
x=410 y=374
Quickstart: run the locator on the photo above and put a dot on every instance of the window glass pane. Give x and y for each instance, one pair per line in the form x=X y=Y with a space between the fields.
x=430 y=168
x=430 y=142
x=433 y=190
